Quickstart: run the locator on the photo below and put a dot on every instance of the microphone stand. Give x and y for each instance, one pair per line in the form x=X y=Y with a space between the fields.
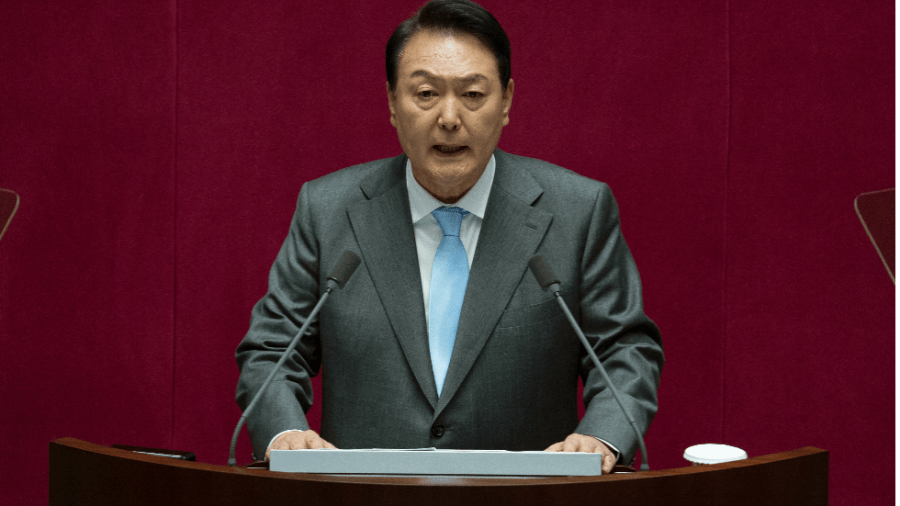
x=644 y=465
x=237 y=430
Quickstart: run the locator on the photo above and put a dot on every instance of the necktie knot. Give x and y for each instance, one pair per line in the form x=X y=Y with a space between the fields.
x=449 y=219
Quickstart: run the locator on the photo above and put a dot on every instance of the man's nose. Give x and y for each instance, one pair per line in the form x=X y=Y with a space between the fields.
x=448 y=114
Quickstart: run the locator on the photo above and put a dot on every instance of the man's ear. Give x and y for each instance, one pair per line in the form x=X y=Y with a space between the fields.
x=391 y=103
x=507 y=101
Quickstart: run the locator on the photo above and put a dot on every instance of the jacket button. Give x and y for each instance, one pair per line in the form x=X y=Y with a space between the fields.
x=437 y=430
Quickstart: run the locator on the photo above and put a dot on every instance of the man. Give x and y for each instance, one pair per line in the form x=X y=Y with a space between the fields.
x=442 y=337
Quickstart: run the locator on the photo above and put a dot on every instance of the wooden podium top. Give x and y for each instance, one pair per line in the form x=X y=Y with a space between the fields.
x=83 y=473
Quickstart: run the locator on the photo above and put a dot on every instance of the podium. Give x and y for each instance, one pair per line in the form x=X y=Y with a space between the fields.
x=83 y=473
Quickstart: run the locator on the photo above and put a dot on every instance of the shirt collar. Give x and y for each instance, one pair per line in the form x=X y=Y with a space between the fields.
x=421 y=203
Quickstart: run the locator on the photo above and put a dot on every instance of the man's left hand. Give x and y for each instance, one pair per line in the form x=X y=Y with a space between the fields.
x=586 y=444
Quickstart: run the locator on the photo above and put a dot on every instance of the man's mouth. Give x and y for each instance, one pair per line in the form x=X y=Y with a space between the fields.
x=446 y=149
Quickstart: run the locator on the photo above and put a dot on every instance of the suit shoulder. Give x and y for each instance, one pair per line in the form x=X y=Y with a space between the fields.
x=346 y=186
x=349 y=177
x=552 y=177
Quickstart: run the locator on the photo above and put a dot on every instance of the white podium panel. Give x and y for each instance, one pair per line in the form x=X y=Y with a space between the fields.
x=431 y=461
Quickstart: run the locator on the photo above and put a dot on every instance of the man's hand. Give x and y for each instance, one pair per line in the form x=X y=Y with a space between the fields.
x=586 y=444
x=306 y=440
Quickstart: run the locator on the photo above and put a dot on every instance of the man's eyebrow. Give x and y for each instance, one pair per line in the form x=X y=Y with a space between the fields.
x=429 y=75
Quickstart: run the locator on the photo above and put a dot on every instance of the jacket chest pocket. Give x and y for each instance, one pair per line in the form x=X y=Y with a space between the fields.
x=541 y=312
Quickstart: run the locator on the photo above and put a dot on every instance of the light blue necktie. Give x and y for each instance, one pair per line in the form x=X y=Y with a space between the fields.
x=449 y=276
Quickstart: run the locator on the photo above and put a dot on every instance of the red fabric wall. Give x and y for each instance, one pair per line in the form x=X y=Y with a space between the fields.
x=158 y=148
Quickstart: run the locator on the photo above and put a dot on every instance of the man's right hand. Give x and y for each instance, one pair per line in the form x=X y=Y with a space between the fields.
x=306 y=440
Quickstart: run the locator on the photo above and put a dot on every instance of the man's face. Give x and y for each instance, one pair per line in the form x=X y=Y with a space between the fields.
x=449 y=108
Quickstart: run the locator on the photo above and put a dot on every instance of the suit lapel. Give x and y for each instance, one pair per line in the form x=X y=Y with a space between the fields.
x=384 y=232
x=510 y=234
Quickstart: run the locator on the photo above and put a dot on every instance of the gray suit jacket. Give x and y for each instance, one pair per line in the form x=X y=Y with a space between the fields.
x=513 y=375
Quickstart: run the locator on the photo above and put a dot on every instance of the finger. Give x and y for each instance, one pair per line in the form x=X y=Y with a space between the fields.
x=309 y=439
x=278 y=444
x=609 y=462
x=315 y=441
x=321 y=444
x=555 y=447
x=569 y=445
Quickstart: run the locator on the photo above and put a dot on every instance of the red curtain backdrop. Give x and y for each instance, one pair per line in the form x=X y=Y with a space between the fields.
x=158 y=148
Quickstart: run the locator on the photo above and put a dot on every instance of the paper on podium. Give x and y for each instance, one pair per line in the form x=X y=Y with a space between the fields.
x=429 y=461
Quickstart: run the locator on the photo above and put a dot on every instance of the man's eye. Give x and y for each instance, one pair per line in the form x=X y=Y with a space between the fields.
x=426 y=93
x=473 y=94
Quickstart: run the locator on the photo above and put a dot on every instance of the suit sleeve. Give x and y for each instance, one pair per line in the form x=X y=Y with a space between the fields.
x=275 y=320
x=625 y=340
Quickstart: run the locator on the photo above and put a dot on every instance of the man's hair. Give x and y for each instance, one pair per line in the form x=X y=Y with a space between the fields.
x=454 y=17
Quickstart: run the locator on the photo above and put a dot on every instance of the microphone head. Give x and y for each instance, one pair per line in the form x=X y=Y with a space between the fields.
x=345 y=267
x=542 y=272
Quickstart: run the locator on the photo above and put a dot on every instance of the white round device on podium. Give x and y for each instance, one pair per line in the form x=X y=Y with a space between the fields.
x=707 y=454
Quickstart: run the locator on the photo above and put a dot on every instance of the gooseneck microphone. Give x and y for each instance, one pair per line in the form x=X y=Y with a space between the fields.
x=346 y=266
x=544 y=275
